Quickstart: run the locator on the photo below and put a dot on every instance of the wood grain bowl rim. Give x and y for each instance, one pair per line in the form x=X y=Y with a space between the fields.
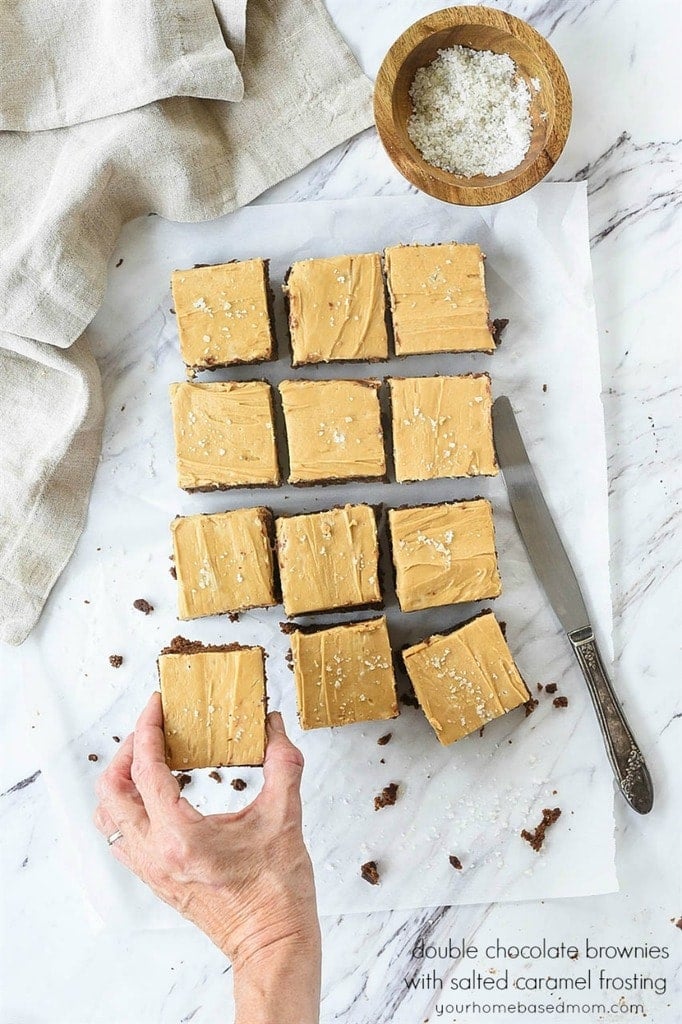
x=434 y=181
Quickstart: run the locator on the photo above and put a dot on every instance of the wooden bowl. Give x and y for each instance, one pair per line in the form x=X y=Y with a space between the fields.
x=480 y=28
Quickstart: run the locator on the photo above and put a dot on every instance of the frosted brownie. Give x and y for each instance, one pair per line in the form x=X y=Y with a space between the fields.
x=438 y=299
x=224 y=435
x=333 y=430
x=329 y=560
x=213 y=701
x=337 y=309
x=444 y=554
x=465 y=678
x=223 y=314
x=442 y=427
x=343 y=674
x=223 y=562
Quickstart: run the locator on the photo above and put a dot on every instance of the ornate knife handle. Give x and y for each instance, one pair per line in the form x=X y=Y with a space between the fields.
x=625 y=756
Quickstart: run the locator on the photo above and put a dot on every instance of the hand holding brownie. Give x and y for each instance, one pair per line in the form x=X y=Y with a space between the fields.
x=245 y=879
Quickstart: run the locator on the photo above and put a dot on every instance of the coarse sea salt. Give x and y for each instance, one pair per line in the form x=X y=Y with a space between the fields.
x=470 y=112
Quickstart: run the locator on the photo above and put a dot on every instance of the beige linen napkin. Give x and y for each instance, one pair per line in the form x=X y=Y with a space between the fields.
x=66 y=191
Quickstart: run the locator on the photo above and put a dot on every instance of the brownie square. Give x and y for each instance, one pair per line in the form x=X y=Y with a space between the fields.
x=442 y=427
x=343 y=674
x=438 y=299
x=223 y=314
x=337 y=309
x=333 y=430
x=223 y=562
x=444 y=554
x=465 y=678
x=224 y=435
x=329 y=560
x=213 y=700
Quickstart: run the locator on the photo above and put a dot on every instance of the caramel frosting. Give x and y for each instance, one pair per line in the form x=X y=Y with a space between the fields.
x=333 y=430
x=444 y=554
x=328 y=559
x=222 y=314
x=438 y=299
x=223 y=562
x=442 y=427
x=466 y=678
x=337 y=309
x=344 y=674
x=224 y=435
x=213 y=707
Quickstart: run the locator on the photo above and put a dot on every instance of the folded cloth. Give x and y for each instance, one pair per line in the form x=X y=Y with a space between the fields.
x=65 y=193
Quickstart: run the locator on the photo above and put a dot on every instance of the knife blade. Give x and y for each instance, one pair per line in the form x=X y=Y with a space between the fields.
x=553 y=569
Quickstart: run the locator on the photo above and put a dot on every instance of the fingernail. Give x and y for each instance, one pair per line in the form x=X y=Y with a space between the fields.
x=275 y=722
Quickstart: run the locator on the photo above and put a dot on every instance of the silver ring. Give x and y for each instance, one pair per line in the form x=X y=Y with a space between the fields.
x=114 y=837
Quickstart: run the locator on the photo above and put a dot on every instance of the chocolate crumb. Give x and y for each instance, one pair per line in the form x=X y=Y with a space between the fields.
x=530 y=706
x=560 y=702
x=172 y=311
x=498 y=326
x=216 y=776
x=86 y=602
x=116 y=739
x=544 y=388
x=115 y=660
x=143 y=606
x=573 y=956
x=382 y=760
x=174 y=572
x=540 y=687
x=233 y=616
x=238 y=784
x=122 y=410
x=93 y=757
x=386 y=738
x=455 y=861
x=480 y=731
x=678 y=923
x=119 y=262
x=551 y=688
x=387 y=797
x=183 y=779
x=370 y=872
x=537 y=837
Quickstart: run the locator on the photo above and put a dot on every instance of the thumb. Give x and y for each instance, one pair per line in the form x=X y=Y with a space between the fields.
x=283 y=765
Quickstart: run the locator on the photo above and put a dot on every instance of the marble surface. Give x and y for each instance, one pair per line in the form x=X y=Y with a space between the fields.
x=623 y=145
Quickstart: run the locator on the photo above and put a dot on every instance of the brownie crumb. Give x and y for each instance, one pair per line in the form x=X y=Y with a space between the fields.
x=560 y=702
x=143 y=606
x=233 y=616
x=116 y=739
x=174 y=572
x=115 y=660
x=172 y=311
x=551 y=688
x=238 y=784
x=86 y=602
x=497 y=327
x=216 y=776
x=530 y=706
x=93 y=757
x=537 y=837
x=387 y=797
x=544 y=388
x=119 y=262
x=183 y=779
x=678 y=923
x=386 y=738
x=455 y=861
x=480 y=731
x=370 y=872
x=540 y=687
x=574 y=955
x=382 y=760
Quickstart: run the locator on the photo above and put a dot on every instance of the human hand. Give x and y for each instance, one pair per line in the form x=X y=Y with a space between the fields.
x=245 y=879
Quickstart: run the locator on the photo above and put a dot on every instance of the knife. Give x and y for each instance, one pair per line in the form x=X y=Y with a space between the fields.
x=554 y=571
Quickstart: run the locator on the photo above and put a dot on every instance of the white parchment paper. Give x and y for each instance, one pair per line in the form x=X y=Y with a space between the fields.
x=471 y=799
